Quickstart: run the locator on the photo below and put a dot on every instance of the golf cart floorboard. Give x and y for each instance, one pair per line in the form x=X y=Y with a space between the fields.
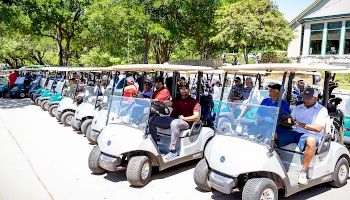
x=178 y=160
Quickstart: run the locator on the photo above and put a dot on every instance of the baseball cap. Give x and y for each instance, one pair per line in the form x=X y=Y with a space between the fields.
x=104 y=77
x=237 y=79
x=130 y=79
x=301 y=82
x=275 y=86
x=160 y=80
x=309 y=93
x=184 y=85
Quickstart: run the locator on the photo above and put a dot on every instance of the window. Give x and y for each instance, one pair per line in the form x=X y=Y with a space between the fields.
x=347 y=38
x=316 y=39
x=333 y=37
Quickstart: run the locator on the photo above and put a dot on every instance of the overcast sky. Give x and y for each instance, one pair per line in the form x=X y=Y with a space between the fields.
x=292 y=8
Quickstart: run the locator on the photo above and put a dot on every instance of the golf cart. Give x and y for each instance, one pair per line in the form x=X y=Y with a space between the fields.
x=4 y=86
x=21 y=88
x=91 y=105
x=125 y=141
x=242 y=155
x=47 y=95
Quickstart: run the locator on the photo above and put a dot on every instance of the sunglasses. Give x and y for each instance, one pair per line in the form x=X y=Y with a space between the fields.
x=236 y=80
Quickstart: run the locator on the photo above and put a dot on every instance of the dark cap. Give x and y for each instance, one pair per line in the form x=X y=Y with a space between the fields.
x=275 y=86
x=160 y=80
x=184 y=85
x=309 y=93
x=237 y=79
x=301 y=82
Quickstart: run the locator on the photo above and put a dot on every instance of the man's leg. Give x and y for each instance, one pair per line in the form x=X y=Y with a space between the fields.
x=309 y=152
x=160 y=122
x=176 y=126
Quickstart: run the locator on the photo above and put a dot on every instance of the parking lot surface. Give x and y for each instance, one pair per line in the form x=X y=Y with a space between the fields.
x=42 y=159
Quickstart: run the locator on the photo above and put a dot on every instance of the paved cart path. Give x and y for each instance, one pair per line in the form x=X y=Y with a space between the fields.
x=41 y=159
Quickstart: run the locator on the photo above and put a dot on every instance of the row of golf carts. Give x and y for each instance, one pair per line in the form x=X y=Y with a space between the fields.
x=234 y=144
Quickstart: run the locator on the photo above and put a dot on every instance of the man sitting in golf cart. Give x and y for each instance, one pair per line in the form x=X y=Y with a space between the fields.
x=236 y=91
x=130 y=89
x=310 y=119
x=186 y=110
x=162 y=93
x=274 y=91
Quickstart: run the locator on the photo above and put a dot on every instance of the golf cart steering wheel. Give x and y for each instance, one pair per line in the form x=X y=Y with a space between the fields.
x=160 y=107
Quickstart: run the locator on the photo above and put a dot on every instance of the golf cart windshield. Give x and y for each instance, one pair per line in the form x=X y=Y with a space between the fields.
x=129 y=111
x=42 y=82
x=90 y=93
x=20 y=80
x=59 y=87
x=71 y=90
x=252 y=122
x=3 y=81
x=49 y=84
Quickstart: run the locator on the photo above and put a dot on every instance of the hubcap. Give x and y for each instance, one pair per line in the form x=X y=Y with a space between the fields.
x=54 y=111
x=145 y=170
x=343 y=173
x=46 y=106
x=268 y=194
x=21 y=95
x=69 y=119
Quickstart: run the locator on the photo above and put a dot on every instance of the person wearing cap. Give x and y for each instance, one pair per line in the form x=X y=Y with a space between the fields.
x=299 y=91
x=236 y=90
x=130 y=89
x=147 y=92
x=310 y=119
x=186 y=110
x=272 y=100
x=162 y=93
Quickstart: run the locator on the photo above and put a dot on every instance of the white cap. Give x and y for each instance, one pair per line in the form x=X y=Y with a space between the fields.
x=104 y=77
x=130 y=79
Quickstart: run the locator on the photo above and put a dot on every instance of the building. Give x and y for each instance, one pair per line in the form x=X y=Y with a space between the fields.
x=322 y=33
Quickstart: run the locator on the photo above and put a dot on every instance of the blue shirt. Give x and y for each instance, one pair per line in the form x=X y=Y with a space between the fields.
x=284 y=110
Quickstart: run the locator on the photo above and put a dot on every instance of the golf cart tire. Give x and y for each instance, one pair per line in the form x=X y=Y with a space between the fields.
x=21 y=95
x=255 y=187
x=201 y=175
x=336 y=181
x=43 y=106
x=134 y=171
x=36 y=101
x=51 y=110
x=65 y=116
x=85 y=125
x=94 y=161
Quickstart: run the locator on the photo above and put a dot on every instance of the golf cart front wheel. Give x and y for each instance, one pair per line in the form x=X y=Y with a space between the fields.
x=201 y=175
x=67 y=118
x=85 y=125
x=341 y=173
x=44 y=105
x=139 y=170
x=37 y=101
x=53 y=110
x=21 y=95
x=88 y=134
x=260 y=188
x=93 y=161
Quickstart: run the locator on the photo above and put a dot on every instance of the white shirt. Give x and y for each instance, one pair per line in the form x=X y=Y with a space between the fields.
x=316 y=115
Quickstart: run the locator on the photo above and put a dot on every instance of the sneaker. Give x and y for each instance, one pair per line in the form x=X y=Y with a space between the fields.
x=302 y=178
x=170 y=156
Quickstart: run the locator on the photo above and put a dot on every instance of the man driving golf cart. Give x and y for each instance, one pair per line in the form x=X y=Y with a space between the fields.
x=310 y=119
x=162 y=93
x=186 y=110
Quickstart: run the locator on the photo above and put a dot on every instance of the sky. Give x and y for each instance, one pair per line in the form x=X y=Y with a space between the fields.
x=292 y=8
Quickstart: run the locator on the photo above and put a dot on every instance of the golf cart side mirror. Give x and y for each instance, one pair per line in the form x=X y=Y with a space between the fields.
x=196 y=128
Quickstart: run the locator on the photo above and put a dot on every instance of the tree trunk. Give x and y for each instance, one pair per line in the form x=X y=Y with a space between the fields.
x=146 y=50
x=162 y=52
x=245 y=53
x=67 y=51
x=59 y=45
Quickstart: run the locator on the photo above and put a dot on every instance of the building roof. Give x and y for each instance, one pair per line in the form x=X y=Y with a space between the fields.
x=323 y=9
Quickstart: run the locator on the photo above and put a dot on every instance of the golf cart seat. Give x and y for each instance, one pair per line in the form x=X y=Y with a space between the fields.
x=195 y=129
x=324 y=143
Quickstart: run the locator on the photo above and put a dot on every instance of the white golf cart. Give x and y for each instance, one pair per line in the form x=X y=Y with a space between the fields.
x=242 y=154
x=89 y=107
x=125 y=141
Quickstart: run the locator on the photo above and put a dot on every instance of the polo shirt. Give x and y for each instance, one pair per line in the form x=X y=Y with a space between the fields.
x=284 y=110
x=130 y=90
x=161 y=94
x=316 y=114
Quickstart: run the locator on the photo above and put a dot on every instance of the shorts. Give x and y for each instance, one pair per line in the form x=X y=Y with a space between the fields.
x=286 y=137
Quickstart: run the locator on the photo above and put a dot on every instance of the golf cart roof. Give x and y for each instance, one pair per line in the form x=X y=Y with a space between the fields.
x=30 y=69
x=78 y=69
x=285 y=67
x=159 y=67
x=342 y=71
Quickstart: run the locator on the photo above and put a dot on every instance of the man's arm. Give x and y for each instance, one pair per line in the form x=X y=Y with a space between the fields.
x=168 y=103
x=196 y=114
x=310 y=127
x=319 y=123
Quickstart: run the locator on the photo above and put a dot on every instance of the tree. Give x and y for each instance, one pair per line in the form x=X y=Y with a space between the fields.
x=252 y=25
x=57 y=19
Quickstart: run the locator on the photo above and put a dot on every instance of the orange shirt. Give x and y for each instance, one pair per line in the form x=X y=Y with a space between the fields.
x=130 y=90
